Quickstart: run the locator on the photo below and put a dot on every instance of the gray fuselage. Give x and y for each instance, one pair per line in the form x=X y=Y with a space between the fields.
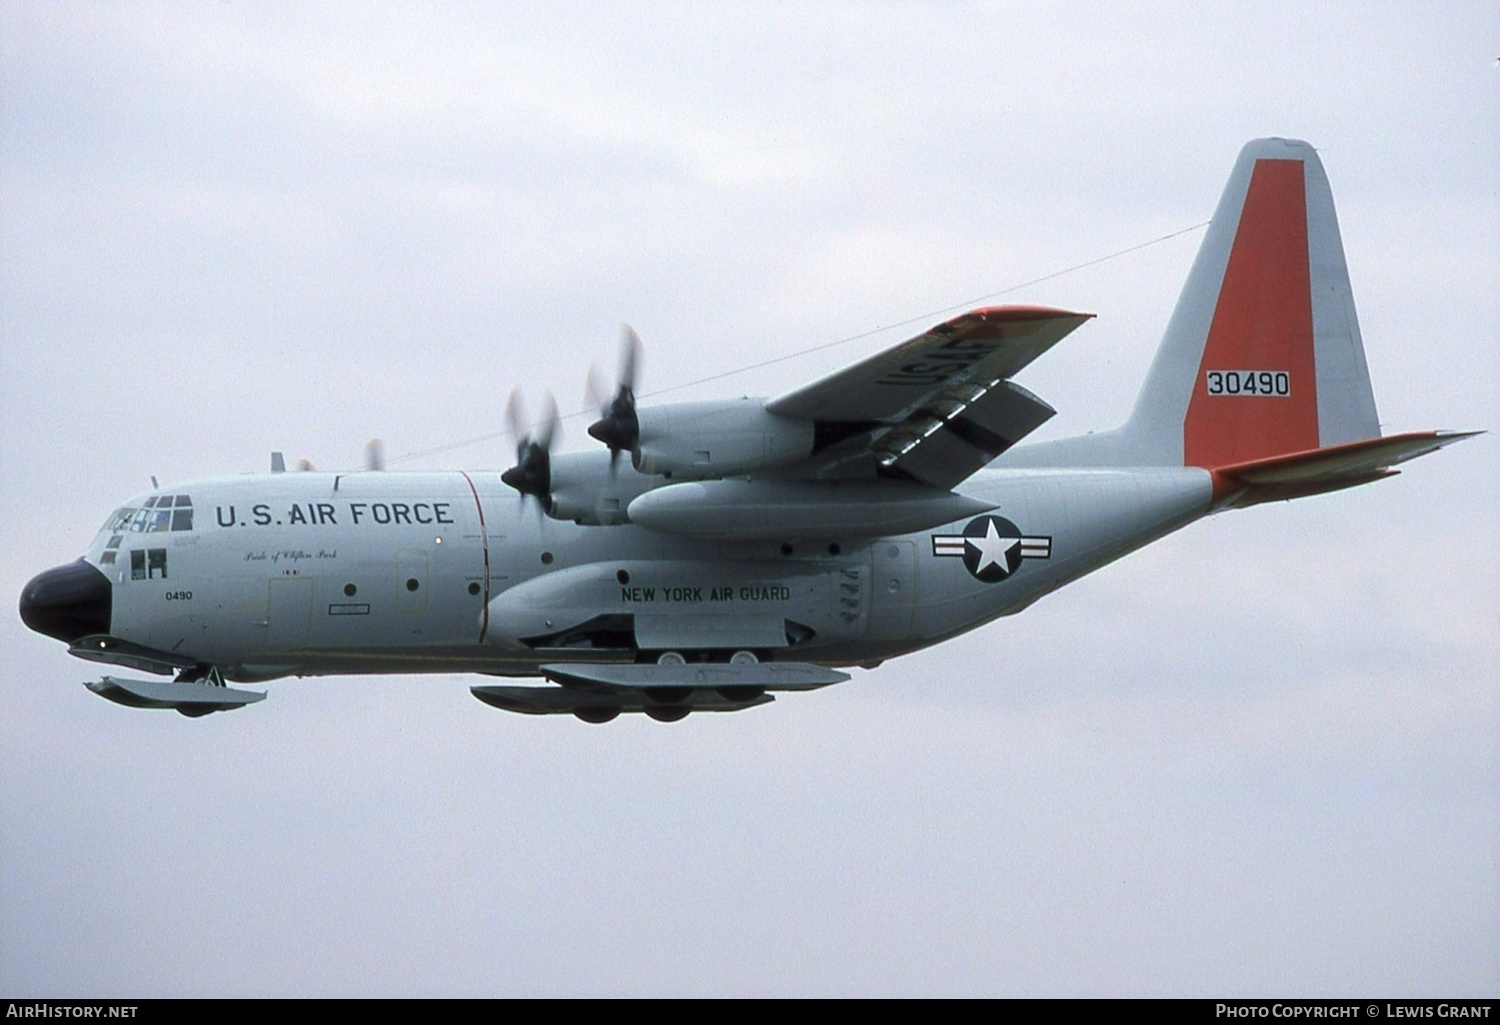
x=319 y=573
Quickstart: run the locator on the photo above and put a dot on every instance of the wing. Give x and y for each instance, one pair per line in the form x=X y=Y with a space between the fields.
x=935 y=408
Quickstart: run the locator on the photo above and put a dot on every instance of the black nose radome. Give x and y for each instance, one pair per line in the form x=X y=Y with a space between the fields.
x=67 y=602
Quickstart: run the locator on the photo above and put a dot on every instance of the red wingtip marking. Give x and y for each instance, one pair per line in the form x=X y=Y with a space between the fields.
x=1262 y=321
x=1023 y=313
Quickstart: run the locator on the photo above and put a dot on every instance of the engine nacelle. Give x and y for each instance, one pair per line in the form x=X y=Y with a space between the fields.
x=707 y=440
x=588 y=490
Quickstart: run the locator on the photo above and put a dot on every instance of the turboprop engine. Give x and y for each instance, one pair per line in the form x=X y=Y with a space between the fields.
x=709 y=469
x=707 y=440
x=590 y=490
x=685 y=441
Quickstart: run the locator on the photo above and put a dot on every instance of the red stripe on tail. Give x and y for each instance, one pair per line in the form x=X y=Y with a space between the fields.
x=1263 y=324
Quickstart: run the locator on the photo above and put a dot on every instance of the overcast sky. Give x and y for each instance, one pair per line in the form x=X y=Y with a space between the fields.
x=1259 y=757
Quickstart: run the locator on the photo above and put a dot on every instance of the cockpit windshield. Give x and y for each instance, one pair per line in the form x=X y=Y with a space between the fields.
x=156 y=515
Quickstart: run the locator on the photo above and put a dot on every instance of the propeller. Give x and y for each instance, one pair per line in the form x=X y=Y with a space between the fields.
x=532 y=474
x=618 y=427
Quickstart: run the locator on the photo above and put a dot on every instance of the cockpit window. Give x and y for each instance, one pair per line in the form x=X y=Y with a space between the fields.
x=148 y=564
x=156 y=515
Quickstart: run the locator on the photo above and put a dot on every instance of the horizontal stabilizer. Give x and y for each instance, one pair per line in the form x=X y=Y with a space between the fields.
x=1324 y=469
x=191 y=699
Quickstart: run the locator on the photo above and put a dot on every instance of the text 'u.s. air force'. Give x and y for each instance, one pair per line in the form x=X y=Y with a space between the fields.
x=318 y=514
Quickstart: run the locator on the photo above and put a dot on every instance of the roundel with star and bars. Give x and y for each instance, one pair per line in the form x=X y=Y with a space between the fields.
x=991 y=547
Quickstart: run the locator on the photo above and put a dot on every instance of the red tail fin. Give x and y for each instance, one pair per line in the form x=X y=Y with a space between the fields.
x=1261 y=375
x=1256 y=392
x=1262 y=356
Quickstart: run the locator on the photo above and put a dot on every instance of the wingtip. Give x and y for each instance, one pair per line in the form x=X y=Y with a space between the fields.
x=1023 y=312
x=1442 y=439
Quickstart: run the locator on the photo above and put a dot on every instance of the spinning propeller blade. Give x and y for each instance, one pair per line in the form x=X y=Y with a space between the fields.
x=618 y=426
x=532 y=474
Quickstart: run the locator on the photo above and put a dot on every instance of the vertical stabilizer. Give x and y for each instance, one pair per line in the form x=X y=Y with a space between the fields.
x=1262 y=356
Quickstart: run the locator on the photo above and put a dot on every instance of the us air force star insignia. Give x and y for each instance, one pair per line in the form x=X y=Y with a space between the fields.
x=991 y=547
